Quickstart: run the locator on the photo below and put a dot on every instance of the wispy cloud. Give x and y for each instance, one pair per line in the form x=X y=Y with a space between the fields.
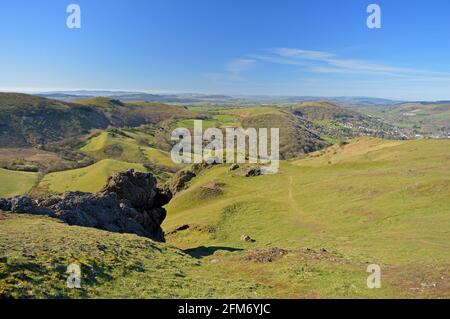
x=310 y=62
x=237 y=66
x=234 y=70
x=326 y=62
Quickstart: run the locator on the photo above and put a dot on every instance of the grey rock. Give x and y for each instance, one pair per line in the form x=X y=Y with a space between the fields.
x=253 y=171
x=129 y=203
x=5 y=204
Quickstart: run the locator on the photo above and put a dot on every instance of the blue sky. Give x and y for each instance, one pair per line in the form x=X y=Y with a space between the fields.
x=298 y=47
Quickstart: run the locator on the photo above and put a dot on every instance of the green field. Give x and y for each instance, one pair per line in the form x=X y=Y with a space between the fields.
x=87 y=179
x=16 y=183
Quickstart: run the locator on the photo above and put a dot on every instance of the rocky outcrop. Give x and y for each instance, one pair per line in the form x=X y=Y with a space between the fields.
x=180 y=181
x=130 y=202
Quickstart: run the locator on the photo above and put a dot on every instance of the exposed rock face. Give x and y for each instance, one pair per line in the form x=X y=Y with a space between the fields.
x=180 y=180
x=129 y=203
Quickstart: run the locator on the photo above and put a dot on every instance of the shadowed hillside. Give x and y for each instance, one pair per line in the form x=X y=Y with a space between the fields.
x=29 y=120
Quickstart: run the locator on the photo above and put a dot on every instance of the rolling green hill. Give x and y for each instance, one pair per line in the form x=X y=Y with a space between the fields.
x=114 y=146
x=127 y=146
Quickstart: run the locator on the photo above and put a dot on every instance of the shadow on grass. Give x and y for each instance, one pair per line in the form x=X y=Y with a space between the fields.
x=202 y=251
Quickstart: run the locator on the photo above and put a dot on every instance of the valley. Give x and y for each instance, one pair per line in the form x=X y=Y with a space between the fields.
x=353 y=189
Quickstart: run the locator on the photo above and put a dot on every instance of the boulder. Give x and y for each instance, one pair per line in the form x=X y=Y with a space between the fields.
x=253 y=171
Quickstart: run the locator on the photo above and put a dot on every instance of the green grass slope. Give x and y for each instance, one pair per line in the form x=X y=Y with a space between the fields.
x=87 y=179
x=127 y=146
x=36 y=251
x=114 y=146
x=370 y=201
x=14 y=183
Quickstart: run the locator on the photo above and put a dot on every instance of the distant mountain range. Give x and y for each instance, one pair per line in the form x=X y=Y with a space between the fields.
x=194 y=98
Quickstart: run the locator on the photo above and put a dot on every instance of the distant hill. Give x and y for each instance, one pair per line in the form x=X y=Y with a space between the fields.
x=295 y=138
x=132 y=114
x=427 y=118
x=341 y=123
x=217 y=99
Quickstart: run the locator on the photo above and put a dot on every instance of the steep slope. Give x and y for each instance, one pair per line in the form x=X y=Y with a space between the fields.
x=29 y=120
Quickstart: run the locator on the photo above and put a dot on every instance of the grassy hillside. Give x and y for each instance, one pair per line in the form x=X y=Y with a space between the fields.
x=29 y=120
x=14 y=183
x=114 y=146
x=316 y=226
x=132 y=146
x=295 y=138
x=88 y=179
x=370 y=201
x=36 y=251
